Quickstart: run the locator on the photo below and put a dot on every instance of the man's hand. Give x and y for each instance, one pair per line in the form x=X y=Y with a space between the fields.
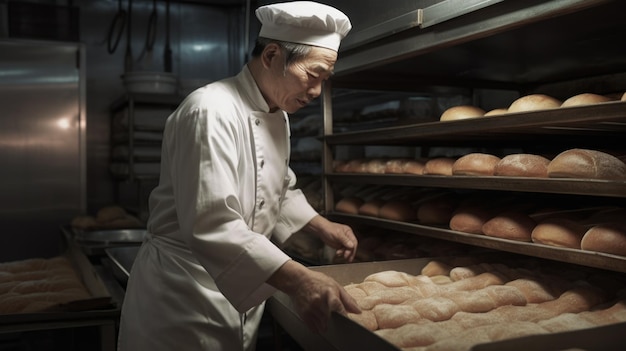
x=314 y=295
x=336 y=235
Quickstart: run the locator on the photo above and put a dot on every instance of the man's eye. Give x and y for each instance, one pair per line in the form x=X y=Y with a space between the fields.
x=313 y=75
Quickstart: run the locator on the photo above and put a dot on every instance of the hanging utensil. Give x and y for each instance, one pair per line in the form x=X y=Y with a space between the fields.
x=128 y=59
x=167 y=54
x=116 y=29
x=152 y=27
x=151 y=33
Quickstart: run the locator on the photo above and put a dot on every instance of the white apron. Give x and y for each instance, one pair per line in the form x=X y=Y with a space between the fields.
x=198 y=282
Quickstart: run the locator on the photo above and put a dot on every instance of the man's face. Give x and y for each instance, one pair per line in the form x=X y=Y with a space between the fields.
x=294 y=87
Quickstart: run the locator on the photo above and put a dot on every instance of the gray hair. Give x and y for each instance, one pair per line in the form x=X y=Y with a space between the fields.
x=293 y=51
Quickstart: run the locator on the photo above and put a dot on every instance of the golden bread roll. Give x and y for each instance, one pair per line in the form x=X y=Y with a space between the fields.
x=84 y=222
x=475 y=164
x=534 y=102
x=522 y=165
x=470 y=218
x=371 y=207
x=461 y=112
x=496 y=112
x=584 y=99
x=439 y=166
x=512 y=225
x=437 y=210
x=339 y=166
x=413 y=167
x=560 y=232
x=623 y=97
x=435 y=268
x=376 y=166
x=607 y=238
x=110 y=213
x=586 y=164
x=349 y=205
x=398 y=210
x=356 y=166
x=394 y=166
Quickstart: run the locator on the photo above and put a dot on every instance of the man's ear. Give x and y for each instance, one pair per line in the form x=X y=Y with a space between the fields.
x=271 y=52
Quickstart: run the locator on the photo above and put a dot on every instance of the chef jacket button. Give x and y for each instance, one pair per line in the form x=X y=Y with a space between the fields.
x=257 y=121
x=262 y=163
x=261 y=204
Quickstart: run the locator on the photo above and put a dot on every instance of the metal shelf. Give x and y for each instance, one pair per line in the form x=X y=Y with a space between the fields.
x=591 y=187
x=585 y=258
x=605 y=121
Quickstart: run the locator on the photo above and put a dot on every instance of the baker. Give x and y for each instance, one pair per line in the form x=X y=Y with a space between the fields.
x=226 y=197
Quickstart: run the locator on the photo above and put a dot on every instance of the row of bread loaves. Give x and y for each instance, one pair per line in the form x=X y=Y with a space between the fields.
x=572 y=163
x=527 y=103
x=107 y=217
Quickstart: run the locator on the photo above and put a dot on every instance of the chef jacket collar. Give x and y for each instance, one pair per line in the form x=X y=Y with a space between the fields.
x=252 y=90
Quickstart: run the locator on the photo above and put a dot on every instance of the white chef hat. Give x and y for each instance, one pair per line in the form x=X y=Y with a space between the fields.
x=304 y=22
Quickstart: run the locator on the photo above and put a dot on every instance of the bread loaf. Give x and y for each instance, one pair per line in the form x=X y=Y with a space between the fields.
x=534 y=102
x=394 y=166
x=371 y=207
x=586 y=164
x=496 y=112
x=375 y=166
x=584 y=99
x=339 y=166
x=413 y=167
x=470 y=218
x=437 y=210
x=37 y=285
x=354 y=166
x=461 y=112
x=439 y=166
x=84 y=222
x=607 y=238
x=522 y=165
x=512 y=225
x=475 y=164
x=349 y=205
x=110 y=213
x=560 y=232
x=398 y=210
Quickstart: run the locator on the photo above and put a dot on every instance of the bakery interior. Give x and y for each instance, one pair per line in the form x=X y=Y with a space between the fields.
x=475 y=147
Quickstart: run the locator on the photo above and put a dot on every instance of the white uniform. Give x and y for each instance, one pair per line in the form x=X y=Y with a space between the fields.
x=198 y=282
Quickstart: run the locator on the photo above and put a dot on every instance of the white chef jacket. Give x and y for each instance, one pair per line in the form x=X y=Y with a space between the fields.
x=225 y=189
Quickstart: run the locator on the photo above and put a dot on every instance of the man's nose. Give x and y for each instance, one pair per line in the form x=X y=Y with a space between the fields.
x=315 y=90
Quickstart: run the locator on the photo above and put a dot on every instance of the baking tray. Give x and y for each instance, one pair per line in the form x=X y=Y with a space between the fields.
x=100 y=306
x=110 y=236
x=95 y=242
x=122 y=259
x=344 y=335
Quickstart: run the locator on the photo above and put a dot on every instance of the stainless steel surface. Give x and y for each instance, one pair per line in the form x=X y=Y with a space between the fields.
x=408 y=47
x=401 y=23
x=449 y=9
x=607 y=121
x=419 y=17
x=122 y=259
x=42 y=133
x=111 y=236
x=206 y=45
